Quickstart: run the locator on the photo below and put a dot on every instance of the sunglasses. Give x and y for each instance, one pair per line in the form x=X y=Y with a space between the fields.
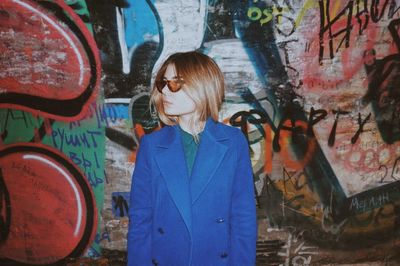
x=173 y=85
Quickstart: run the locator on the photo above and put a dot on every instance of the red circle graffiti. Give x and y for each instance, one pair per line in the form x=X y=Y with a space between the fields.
x=366 y=160
x=53 y=214
x=40 y=56
x=48 y=59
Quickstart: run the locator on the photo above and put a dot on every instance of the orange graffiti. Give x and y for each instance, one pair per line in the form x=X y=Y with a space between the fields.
x=285 y=138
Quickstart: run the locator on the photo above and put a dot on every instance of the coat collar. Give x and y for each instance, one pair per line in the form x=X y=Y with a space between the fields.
x=170 y=158
x=211 y=129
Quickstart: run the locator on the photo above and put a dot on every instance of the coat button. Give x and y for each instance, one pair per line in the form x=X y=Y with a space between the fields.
x=220 y=220
x=154 y=262
x=160 y=230
x=224 y=255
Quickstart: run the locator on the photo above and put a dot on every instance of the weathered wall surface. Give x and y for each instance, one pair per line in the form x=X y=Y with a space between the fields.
x=314 y=85
x=52 y=132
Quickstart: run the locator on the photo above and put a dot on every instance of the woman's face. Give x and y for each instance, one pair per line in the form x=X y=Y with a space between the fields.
x=176 y=103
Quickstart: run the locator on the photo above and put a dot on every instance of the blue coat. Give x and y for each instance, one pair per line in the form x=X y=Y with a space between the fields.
x=206 y=219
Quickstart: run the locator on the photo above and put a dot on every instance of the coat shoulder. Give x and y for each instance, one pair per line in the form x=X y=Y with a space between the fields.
x=228 y=128
x=157 y=135
x=232 y=132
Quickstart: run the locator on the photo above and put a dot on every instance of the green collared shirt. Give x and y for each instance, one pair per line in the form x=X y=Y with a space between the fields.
x=190 y=148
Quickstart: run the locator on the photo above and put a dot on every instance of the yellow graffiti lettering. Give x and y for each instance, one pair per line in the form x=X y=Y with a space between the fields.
x=278 y=12
x=268 y=17
x=254 y=10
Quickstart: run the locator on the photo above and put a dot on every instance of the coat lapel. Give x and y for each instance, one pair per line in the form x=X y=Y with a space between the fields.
x=209 y=156
x=172 y=163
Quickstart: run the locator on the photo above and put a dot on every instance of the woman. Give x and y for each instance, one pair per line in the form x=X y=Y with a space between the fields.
x=192 y=197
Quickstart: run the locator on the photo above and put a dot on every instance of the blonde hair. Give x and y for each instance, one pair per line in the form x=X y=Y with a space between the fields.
x=203 y=82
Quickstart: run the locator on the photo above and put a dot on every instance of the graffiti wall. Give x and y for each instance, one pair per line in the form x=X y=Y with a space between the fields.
x=313 y=84
x=52 y=135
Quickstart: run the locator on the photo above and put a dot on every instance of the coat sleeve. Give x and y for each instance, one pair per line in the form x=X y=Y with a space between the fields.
x=243 y=210
x=140 y=209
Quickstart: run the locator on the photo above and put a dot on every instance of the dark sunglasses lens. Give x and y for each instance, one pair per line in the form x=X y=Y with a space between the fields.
x=160 y=84
x=174 y=86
